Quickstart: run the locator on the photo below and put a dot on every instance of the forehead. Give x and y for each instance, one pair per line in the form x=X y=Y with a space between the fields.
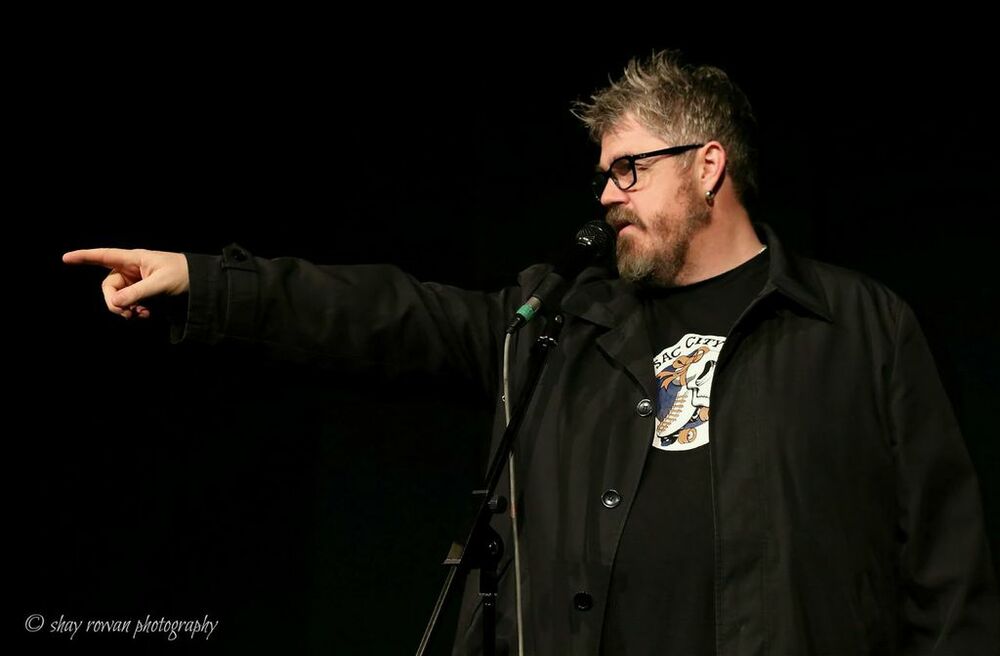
x=628 y=137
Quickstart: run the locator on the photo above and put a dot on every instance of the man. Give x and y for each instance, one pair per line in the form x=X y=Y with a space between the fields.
x=733 y=450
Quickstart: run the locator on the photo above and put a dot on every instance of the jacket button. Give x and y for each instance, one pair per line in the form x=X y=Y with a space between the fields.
x=644 y=408
x=583 y=601
x=611 y=498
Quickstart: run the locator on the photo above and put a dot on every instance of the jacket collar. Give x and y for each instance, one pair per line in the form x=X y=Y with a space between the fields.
x=789 y=277
x=607 y=301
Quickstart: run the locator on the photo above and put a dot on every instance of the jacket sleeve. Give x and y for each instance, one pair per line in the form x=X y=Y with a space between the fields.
x=351 y=317
x=949 y=602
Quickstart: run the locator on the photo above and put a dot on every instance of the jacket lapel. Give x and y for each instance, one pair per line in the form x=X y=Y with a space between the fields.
x=612 y=303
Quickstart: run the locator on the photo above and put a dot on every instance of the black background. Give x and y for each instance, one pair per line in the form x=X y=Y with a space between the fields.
x=308 y=511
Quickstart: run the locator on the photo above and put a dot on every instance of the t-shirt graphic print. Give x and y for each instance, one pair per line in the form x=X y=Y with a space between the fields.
x=684 y=373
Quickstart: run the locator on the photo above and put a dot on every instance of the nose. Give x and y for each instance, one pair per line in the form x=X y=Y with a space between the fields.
x=612 y=194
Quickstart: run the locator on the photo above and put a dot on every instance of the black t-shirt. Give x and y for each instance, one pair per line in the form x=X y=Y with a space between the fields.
x=661 y=596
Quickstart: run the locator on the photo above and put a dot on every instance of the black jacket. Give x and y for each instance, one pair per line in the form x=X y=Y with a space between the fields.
x=847 y=515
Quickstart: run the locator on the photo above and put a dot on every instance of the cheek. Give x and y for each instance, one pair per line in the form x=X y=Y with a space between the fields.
x=655 y=224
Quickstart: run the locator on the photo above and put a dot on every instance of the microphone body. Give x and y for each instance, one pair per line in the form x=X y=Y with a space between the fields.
x=592 y=242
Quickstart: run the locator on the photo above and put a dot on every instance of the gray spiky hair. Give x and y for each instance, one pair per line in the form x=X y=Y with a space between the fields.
x=681 y=104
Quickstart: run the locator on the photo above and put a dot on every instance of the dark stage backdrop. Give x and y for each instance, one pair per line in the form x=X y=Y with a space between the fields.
x=308 y=511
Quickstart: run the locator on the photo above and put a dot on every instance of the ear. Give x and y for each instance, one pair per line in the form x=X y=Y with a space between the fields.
x=712 y=166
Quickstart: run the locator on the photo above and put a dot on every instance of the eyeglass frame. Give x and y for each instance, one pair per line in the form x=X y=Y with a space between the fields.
x=631 y=159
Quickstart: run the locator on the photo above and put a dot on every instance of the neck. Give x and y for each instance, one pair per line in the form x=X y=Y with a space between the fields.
x=727 y=241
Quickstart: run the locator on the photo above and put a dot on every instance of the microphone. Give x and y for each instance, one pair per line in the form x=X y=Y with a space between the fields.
x=592 y=242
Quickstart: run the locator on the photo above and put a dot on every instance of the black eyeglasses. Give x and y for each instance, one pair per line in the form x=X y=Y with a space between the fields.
x=622 y=170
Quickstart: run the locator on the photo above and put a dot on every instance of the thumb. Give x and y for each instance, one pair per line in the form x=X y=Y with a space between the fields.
x=135 y=292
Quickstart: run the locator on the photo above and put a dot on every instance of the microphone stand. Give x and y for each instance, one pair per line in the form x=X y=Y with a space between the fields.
x=484 y=548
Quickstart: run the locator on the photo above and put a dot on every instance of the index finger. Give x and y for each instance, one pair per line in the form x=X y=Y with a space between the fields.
x=109 y=257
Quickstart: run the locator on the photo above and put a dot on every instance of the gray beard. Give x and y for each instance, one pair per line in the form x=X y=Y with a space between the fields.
x=660 y=268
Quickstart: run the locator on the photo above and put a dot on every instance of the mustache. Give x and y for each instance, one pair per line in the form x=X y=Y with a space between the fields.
x=618 y=217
